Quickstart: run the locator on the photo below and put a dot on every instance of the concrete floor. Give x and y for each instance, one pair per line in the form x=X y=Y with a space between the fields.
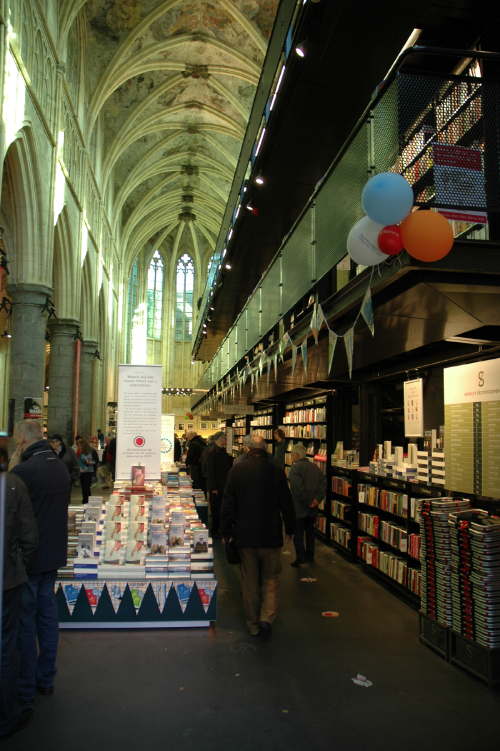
x=219 y=688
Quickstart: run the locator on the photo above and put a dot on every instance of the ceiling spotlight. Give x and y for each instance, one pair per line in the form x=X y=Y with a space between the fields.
x=259 y=180
x=228 y=266
x=301 y=49
x=249 y=207
x=6 y=335
x=212 y=307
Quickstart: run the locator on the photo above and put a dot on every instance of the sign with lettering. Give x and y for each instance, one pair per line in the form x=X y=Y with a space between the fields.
x=472 y=427
x=138 y=439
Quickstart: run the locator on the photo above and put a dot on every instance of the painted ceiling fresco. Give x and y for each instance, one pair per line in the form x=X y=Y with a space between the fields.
x=170 y=86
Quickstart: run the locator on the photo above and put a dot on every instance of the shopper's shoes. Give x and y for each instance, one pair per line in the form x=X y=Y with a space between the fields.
x=265 y=630
x=45 y=690
x=297 y=563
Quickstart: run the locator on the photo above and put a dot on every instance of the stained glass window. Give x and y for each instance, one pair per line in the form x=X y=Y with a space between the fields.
x=155 y=296
x=184 y=286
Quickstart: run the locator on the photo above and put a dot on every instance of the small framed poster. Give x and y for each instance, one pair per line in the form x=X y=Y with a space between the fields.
x=414 y=408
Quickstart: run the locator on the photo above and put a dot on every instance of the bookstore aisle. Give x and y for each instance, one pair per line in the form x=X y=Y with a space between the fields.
x=220 y=688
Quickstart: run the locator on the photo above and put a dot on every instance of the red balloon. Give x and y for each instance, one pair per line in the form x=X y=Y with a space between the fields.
x=389 y=240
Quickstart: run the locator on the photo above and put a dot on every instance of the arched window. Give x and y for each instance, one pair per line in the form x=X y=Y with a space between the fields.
x=184 y=286
x=132 y=303
x=155 y=296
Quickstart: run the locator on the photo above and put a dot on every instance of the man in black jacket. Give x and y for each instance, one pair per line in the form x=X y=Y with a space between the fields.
x=49 y=486
x=20 y=541
x=256 y=502
x=196 y=444
x=217 y=465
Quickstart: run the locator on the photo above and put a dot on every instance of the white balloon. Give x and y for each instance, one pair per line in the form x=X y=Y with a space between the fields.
x=362 y=243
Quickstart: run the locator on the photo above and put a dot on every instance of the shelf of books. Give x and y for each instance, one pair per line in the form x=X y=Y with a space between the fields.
x=342 y=516
x=262 y=422
x=241 y=428
x=141 y=559
x=306 y=422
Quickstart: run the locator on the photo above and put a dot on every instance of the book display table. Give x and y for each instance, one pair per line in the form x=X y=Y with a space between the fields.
x=143 y=559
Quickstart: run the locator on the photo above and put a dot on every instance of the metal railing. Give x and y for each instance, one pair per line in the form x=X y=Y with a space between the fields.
x=442 y=132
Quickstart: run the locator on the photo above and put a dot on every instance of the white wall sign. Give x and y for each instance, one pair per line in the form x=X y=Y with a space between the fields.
x=414 y=408
x=167 y=441
x=475 y=382
x=139 y=420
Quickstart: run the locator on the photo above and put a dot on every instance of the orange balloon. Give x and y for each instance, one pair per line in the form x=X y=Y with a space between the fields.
x=427 y=235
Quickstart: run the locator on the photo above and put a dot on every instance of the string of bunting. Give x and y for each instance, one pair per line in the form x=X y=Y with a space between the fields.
x=267 y=360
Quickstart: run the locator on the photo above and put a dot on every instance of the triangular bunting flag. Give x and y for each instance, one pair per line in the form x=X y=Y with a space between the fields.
x=294 y=358
x=275 y=363
x=261 y=363
x=71 y=593
x=367 y=310
x=349 y=347
x=160 y=591
x=314 y=325
x=183 y=590
x=332 y=343
x=206 y=592
x=138 y=590
x=320 y=317
x=93 y=592
x=303 y=350
x=268 y=370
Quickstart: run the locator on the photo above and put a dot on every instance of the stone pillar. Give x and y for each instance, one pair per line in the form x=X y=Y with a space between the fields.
x=27 y=355
x=86 y=388
x=62 y=377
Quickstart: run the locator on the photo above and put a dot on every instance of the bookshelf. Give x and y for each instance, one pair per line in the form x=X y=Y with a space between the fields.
x=262 y=422
x=306 y=422
x=241 y=428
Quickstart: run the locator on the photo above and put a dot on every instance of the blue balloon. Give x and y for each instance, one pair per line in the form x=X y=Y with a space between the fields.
x=387 y=198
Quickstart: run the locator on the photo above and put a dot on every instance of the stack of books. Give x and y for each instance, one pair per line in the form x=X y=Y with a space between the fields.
x=475 y=563
x=435 y=557
x=438 y=468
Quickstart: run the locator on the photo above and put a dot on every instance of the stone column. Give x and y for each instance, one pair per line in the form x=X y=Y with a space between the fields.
x=62 y=377
x=27 y=355
x=86 y=388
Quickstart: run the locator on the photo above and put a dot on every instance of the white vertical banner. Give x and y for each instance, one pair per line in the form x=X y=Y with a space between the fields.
x=414 y=408
x=139 y=420
x=167 y=441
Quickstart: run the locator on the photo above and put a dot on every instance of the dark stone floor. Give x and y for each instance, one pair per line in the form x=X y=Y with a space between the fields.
x=218 y=688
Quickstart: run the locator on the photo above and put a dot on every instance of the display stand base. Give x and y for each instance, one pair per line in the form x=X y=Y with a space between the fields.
x=182 y=604
x=435 y=636
x=135 y=624
x=481 y=661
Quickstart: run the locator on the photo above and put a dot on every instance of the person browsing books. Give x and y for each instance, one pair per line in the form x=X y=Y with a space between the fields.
x=217 y=463
x=307 y=485
x=20 y=542
x=256 y=504
x=49 y=487
x=196 y=444
x=279 y=447
x=88 y=460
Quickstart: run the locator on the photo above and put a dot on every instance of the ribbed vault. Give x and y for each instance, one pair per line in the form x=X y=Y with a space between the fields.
x=170 y=85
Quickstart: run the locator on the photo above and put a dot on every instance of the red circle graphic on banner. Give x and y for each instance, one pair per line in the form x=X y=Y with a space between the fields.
x=139 y=441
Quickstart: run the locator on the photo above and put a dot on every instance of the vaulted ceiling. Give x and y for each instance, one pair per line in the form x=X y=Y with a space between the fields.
x=169 y=89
